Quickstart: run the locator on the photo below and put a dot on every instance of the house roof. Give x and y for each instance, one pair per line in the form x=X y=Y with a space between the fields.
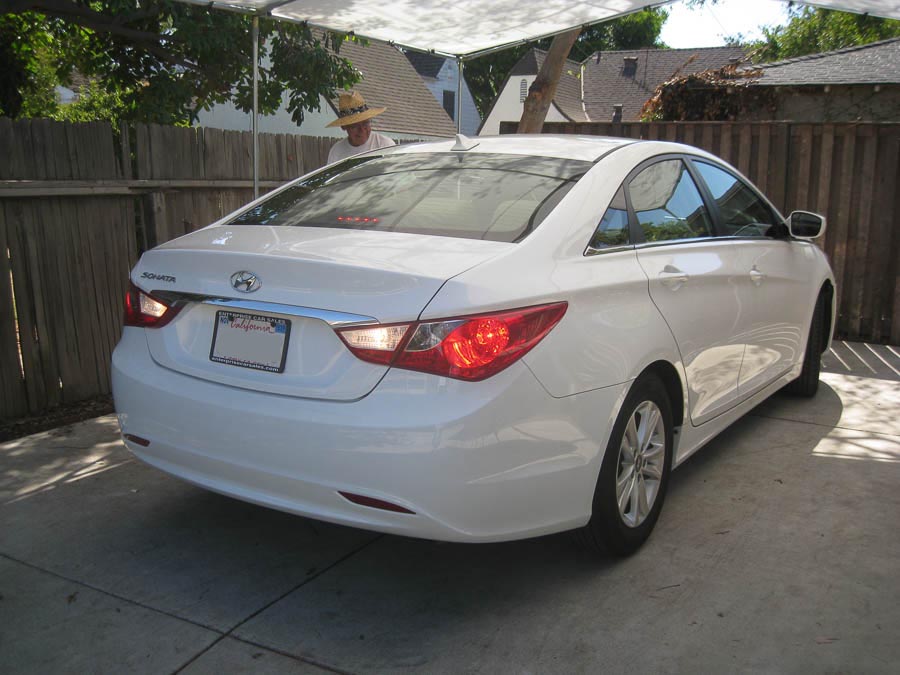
x=874 y=63
x=427 y=65
x=630 y=77
x=389 y=79
x=568 y=90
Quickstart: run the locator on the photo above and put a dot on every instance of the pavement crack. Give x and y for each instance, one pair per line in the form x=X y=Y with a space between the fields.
x=110 y=594
x=230 y=632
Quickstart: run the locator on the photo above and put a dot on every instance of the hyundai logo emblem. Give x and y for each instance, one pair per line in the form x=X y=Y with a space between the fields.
x=245 y=282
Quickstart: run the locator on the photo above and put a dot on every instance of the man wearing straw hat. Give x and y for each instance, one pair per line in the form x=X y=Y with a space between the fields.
x=353 y=117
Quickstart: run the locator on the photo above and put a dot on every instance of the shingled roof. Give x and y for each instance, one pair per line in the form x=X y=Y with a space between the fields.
x=874 y=63
x=630 y=77
x=568 y=90
x=388 y=79
x=427 y=65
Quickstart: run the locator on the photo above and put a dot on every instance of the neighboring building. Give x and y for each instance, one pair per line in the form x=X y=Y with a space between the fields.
x=388 y=79
x=604 y=87
x=441 y=76
x=507 y=107
x=628 y=78
x=846 y=85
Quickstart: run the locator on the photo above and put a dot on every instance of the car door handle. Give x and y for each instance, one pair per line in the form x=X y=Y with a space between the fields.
x=673 y=277
x=756 y=276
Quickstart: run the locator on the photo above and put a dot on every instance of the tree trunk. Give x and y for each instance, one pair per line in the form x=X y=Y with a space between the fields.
x=543 y=89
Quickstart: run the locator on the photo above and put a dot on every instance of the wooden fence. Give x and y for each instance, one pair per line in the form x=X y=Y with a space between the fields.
x=78 y=203
x=847 y=172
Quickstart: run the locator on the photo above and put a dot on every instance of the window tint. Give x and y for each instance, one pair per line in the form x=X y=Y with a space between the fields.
x=743 y=213
x=613 y=227
x=668 y=204
x=477 y=196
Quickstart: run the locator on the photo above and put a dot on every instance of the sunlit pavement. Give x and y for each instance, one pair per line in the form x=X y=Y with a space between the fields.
x=777 y=551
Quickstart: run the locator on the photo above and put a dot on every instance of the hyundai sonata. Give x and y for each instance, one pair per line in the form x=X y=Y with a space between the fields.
x=479 y=340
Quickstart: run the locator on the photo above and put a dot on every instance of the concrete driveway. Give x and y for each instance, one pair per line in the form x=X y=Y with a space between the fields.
x=777 y=551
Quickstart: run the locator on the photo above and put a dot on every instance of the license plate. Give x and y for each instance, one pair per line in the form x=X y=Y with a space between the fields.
x=250 y=341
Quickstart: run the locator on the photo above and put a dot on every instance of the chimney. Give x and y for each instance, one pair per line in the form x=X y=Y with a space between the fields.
x=617 y=113
x=629 y=68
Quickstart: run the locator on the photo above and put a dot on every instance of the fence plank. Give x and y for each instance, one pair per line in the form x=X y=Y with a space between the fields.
x=860 y=322
x=745 y=145
x=725 y=151
x=12 y=385
x=881 y=258
x=41 y=369
x=762 y=167
x=8 y=138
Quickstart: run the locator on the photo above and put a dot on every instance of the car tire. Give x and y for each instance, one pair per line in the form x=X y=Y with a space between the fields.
x=807 y=384
x=621 y=522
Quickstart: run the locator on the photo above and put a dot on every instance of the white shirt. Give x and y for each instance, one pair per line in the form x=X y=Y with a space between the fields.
x=343 y=149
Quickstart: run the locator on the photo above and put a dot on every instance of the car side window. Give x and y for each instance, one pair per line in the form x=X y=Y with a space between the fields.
x=668 y=204
x=613 y=228
x=743 y=213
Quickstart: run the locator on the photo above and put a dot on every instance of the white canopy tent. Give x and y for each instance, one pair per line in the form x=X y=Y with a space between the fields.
x=462 y=29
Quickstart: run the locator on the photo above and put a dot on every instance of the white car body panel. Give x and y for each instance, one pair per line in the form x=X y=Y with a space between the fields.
x=475 y=464
x=775 y=287
x=512 y=456
x=691 y=275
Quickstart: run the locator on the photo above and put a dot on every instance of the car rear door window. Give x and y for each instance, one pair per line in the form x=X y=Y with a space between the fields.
x=742 y=212
x=612 y=230
x=668 y=204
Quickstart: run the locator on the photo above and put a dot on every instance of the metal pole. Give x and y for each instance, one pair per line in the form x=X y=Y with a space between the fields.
x=255 y=106
x=460 y=67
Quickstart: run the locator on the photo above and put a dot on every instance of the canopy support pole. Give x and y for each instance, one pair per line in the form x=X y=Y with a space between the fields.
x=460 y=66
x=255 y=107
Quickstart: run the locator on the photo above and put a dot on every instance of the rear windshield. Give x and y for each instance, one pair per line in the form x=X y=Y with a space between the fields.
x=477 y=196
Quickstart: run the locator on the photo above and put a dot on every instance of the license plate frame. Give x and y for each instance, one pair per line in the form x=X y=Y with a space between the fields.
x=245 y=343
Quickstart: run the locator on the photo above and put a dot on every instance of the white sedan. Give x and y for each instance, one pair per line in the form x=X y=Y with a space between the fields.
x=480 y=340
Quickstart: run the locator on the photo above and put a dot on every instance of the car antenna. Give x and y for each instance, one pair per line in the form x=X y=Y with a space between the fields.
x=463 y=143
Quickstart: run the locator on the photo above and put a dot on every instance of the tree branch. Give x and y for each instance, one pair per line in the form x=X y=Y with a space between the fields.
x=96 y=21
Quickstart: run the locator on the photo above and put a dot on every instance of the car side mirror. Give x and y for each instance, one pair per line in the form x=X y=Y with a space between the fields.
x=806 y=225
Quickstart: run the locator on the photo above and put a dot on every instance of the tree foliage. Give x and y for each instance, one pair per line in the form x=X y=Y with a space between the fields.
x=810 y=31
x=160 y=60
x=486 y=74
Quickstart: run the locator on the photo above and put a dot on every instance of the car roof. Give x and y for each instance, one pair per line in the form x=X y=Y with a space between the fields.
x=585 y=148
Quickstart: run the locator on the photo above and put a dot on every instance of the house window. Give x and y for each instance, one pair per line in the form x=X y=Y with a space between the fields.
x=523 y=90
x=450 y=103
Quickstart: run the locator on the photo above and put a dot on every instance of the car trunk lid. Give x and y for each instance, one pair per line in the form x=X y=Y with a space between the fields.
x=311 y=280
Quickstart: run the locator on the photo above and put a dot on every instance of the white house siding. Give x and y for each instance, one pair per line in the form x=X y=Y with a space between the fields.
x=448 y=80
x=508 y=106
x=227 y=116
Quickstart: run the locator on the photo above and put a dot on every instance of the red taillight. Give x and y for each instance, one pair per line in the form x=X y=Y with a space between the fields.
x=145 y=311
x=467 y=348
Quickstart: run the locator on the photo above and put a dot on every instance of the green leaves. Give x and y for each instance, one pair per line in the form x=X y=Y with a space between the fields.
x=811 y=31
x=160 y=60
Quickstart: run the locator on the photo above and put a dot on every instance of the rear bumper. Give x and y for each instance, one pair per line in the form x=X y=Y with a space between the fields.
x=487 y=461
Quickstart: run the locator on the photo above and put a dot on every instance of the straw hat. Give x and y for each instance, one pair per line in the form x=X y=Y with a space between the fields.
x=352 y=108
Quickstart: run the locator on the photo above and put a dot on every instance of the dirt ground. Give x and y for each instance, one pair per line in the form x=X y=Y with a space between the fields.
x=83 y=410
